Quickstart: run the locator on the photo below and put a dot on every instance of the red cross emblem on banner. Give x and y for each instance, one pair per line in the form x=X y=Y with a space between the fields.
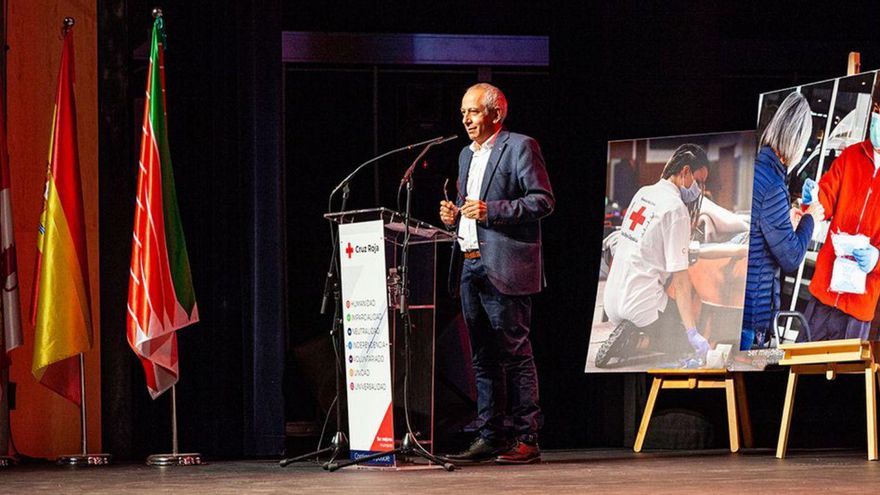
x=349 y=250
x=637 y=218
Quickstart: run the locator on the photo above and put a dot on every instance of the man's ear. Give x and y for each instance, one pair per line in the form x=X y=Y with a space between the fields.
x=497 y=118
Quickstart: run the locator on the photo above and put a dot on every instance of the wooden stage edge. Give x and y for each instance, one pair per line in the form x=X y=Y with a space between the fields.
x=562 y=472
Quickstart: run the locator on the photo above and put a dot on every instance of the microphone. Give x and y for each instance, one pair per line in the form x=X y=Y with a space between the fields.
x=429 y=142
x=411 y=169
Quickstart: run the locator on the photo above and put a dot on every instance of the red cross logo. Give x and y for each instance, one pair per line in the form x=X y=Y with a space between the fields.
x=637 y=218
x=349 y=250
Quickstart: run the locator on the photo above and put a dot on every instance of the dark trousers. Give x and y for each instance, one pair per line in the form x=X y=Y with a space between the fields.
x=829 y=323
x=504 y=366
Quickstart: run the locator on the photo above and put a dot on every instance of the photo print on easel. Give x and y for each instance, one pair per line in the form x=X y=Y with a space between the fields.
x=835 y=284
x=674 y=253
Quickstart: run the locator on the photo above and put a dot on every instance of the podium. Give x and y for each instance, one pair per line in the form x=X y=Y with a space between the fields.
x=370 y=248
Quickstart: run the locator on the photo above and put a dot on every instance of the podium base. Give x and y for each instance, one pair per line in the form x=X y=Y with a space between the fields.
x=78 y=460
x=162 y=460
x=6 y=461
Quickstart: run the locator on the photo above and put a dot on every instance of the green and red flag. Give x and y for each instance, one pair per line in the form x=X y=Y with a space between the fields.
x=161 y=298
x=61 y=306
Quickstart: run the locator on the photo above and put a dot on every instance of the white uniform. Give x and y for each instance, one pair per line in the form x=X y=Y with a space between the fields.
x=653 y=244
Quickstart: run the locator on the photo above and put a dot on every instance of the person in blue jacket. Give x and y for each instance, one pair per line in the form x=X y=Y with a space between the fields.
x=779 y=233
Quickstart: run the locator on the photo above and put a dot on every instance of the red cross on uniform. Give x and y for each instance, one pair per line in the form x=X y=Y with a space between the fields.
x=349 y=250
x=637 y=218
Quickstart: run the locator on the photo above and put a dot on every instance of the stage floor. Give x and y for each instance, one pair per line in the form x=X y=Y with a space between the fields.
x=593 y=471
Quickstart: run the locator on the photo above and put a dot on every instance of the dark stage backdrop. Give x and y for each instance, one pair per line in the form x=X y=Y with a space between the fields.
x=618 y=70
x=223 y=85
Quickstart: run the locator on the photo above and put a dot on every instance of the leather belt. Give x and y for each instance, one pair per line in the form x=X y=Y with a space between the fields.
x=472 y=254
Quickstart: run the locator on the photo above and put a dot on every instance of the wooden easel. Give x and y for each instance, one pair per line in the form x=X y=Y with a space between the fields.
x=854 y=63
x=731 y=382
x=831 y=358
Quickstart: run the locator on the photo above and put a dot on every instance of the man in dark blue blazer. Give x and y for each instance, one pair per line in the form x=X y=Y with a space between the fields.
x=504 y=191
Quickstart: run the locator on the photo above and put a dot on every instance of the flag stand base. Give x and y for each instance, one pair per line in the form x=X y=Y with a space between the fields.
x=78 y=460
x=6 y=461
x=162 y=460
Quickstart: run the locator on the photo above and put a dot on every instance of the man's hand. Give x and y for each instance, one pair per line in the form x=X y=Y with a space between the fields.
x=475 y=209
x=448 y=212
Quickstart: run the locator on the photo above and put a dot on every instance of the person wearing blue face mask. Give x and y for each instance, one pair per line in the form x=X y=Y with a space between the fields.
x=848 y=191
x=652 y=255
x=779 y=234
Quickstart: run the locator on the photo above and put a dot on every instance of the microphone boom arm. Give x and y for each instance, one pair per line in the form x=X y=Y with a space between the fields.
x=409 y=171
x=430 y=142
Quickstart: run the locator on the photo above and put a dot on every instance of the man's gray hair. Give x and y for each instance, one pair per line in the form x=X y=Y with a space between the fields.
x=790 y=129
x=493 y=99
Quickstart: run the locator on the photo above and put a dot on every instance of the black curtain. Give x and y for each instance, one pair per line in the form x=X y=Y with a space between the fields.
x=223 y=84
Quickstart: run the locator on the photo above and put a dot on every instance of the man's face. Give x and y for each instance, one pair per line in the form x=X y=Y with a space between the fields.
x=479 y=122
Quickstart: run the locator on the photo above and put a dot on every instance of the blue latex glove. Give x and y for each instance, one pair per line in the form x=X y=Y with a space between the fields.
x=809 y=192
x=866 y=258
x=698 y=342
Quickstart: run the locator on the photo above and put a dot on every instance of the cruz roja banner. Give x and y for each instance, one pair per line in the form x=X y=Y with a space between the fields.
x=367 y=353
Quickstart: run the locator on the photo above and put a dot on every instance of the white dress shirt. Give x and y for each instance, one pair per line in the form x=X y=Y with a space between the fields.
x=467 y=227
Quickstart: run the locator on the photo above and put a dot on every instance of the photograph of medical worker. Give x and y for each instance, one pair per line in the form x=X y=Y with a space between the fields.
x=835 y=285
x=674 y=255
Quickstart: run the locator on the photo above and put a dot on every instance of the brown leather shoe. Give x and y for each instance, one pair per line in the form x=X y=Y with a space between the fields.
x=521 y=453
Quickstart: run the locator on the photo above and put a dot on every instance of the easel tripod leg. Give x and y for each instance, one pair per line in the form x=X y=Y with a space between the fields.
x=742 y=404
x=782 y=446
x=732 y=420
x=871 y=410
x=649 y=410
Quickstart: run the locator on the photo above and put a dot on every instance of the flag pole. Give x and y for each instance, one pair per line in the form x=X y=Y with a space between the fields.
x=175 y=458
x=82 y=405
x=6 y=435
x=83 y=458
x=174 y=419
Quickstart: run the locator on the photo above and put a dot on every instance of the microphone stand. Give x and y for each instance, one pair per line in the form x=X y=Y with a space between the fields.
x=331 y=287
x=410 y=445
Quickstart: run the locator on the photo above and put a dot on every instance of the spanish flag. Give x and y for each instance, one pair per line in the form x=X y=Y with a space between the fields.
x=161 y=298
x=61 y=307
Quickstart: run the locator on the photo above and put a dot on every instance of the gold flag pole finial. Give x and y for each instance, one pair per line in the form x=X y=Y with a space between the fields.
x=157 y=12
x=67 y=25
